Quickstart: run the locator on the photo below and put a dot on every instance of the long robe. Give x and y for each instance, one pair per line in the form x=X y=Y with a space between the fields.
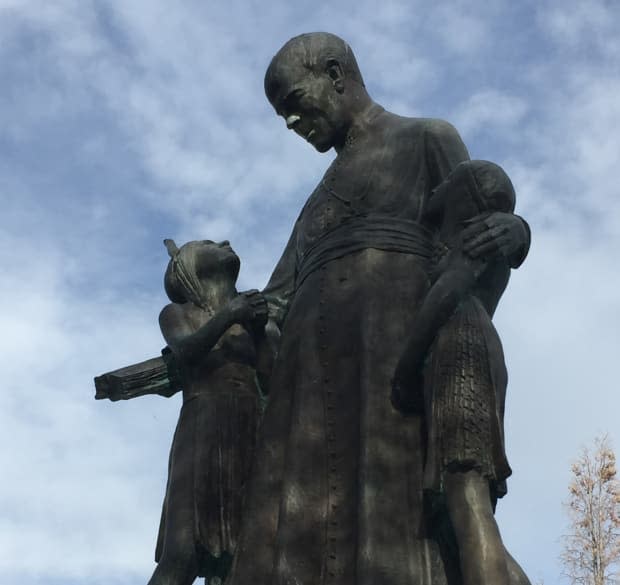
x=336 y=494
x=211 y=454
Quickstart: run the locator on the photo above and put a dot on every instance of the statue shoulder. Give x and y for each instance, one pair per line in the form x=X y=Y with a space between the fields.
x=171 y=311
x=433 y=129
x=441 y=129
x=173 y=320
x=435 y=140
x=444 y=146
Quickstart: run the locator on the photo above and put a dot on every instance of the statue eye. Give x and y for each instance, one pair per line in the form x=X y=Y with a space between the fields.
x=293 y=98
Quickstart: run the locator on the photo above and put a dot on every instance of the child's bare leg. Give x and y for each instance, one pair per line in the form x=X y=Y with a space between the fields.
x=482 y=553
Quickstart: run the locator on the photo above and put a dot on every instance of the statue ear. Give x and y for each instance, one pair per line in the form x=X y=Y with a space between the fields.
x=336 y=74
x=172 y=248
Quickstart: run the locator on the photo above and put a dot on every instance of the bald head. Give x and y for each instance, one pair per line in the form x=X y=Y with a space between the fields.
x=310 y=53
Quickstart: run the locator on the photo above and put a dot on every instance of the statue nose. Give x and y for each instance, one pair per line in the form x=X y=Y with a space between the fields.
x=292 y=120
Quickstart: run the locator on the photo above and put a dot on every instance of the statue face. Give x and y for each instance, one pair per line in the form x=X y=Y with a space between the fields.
x=312 y=107
x=216 y=257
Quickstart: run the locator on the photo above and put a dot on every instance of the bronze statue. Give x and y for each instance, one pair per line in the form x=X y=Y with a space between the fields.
x=386 y=288
x=336 y=495
x=465 y=375
x=212 y=332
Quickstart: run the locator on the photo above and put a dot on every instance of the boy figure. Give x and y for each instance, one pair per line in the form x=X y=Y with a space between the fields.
x=453 y=370
x=215 y=335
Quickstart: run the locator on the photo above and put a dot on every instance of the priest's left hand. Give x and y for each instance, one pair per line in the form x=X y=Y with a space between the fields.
x=497 y=234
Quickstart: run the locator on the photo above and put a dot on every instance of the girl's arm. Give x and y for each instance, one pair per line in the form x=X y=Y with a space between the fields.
x=453 y=285
x=188 y=345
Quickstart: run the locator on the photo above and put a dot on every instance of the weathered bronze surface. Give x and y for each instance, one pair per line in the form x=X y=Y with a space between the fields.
x=215 y=339
x=212 y=332
x=148 y=377
x=338 y=491
x=380 y=454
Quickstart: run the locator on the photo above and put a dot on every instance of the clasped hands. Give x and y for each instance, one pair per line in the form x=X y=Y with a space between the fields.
x=249 y=308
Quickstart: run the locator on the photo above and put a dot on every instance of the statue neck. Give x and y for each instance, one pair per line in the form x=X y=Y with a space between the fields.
x=216 y=292
x=360 y=123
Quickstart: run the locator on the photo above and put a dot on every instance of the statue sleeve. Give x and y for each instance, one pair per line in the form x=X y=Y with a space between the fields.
x=444 y=150
x=281 y=286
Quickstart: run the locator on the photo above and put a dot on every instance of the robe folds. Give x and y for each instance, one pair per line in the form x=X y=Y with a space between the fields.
x=211 y=457
x=337 y=487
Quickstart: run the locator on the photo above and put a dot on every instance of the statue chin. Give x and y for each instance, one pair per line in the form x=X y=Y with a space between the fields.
x=322 y=147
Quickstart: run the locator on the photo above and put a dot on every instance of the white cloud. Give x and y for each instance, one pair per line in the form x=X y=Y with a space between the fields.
x=461 y=27
x=80 y=489
x=491 y=111
x=576 y=26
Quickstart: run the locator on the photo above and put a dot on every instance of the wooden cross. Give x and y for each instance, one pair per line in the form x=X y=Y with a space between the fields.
x=153 y=376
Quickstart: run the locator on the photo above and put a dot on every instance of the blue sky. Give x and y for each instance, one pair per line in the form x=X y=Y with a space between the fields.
x=122 y=123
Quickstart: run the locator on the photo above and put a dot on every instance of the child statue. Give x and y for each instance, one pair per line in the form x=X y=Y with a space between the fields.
x=453 y=371
x=215 y=335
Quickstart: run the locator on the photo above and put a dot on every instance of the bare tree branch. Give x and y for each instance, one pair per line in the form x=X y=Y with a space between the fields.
x=591 y=554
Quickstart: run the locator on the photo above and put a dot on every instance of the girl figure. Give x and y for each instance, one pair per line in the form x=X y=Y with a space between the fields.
x=453 y=370
x=212 y=332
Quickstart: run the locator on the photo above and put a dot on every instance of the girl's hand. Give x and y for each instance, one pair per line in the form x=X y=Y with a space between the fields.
x=249 y=308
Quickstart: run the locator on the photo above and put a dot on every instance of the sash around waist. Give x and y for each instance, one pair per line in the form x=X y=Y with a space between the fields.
x=391 y=234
